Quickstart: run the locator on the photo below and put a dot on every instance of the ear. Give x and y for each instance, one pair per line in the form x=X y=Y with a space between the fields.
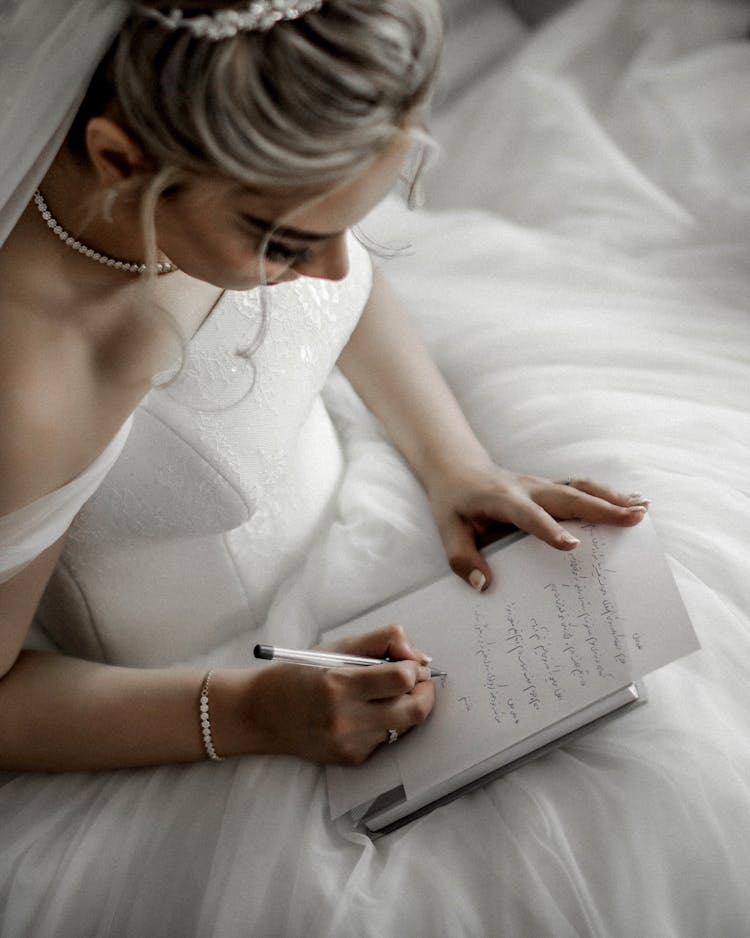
x=114 y=155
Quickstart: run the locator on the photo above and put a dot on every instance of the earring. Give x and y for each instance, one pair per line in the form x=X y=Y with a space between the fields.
x=108 y=203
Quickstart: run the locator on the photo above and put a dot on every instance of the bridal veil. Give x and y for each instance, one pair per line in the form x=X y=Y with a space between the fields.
x=49 y=50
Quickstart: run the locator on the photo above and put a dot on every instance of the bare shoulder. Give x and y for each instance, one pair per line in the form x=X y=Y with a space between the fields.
x=36 y=404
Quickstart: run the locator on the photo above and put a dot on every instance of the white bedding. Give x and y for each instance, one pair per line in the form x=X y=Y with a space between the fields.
x=582 y=276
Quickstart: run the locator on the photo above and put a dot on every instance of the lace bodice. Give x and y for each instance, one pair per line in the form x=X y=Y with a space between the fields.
x=228 y=473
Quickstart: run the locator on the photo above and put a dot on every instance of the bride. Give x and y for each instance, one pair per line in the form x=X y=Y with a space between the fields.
x=183 y=245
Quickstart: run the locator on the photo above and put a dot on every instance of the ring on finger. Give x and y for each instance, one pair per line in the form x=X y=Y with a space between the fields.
x=392 y=736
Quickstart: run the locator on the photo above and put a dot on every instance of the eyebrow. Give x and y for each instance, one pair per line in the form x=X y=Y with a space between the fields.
x=283 y=231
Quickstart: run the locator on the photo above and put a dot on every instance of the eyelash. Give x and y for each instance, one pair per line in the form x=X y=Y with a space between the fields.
x=278 y=253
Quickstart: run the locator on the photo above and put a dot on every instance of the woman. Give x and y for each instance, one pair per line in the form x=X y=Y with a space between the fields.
x=220 y=151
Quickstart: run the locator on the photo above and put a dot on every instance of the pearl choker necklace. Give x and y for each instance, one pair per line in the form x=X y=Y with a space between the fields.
x=62 y=234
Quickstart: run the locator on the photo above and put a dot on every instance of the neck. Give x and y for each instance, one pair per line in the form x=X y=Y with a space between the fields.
x=75 y=197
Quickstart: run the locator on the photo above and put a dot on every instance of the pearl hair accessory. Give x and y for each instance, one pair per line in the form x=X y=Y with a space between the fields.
x=208 y=742
x=258 y=16
x=56 y=228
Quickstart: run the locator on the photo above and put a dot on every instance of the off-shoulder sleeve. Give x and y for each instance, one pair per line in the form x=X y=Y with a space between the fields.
x=25 y=533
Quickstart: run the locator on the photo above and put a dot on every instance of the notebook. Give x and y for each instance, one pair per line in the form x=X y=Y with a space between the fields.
x=560 y=642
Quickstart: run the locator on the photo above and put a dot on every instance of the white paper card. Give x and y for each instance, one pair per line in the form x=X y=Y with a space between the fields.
x=557 y=631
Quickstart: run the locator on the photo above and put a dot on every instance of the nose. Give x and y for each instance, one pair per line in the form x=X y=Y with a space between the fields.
x=329 y=263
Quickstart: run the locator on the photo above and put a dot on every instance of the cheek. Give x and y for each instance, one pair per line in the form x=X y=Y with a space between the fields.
x=205 y=257
x=203 y=252
x=204 y=248
x=197 y=232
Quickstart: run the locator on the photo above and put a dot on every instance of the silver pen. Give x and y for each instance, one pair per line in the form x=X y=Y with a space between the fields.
x=324 y=659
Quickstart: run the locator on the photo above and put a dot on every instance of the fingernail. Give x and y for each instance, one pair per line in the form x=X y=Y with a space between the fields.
x=418 y=653
x=637 y=499
x=477 y=580
x=423 y=674
x=569 y=539
x=637 y=509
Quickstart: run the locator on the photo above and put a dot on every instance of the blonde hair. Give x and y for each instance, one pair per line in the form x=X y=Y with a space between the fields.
x=301 y=106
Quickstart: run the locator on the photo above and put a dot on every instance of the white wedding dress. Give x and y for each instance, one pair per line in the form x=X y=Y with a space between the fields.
x=228 y=474
x=584 y=287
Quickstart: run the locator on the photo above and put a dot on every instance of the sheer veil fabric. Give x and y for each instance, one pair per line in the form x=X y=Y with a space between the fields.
x=48 y=52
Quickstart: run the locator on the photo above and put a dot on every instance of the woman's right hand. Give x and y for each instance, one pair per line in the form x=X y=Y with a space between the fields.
x=338 y=715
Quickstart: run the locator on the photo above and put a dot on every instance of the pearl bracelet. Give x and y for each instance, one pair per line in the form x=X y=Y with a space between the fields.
x=208 y=742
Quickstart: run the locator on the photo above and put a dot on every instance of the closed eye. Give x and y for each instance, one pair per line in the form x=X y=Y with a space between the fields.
x=278 y=253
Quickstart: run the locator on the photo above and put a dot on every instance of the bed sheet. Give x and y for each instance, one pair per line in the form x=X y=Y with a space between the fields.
x=581 y=274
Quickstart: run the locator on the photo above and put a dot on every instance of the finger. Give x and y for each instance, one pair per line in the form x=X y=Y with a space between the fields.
x=390 y=641
x=531 y=517
x=398 y=714
x=382 y=681
x=608 y=493
x=407 y=711
x=463 y=555
x=567 y=501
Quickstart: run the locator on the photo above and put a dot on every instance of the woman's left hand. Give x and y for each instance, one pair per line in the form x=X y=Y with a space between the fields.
x=470 y=504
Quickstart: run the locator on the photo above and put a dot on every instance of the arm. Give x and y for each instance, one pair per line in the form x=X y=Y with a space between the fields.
x=59 y=713
x=395 y=376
